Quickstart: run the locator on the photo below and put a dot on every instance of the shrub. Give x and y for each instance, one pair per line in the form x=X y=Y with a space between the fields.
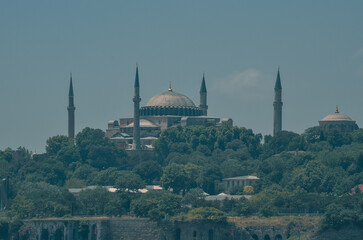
x=208 y=213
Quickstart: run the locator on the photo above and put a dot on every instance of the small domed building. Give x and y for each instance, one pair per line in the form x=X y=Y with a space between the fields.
x=338 y=121
x=165 y=110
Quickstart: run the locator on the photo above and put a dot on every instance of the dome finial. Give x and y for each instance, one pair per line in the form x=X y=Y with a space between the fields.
x=337 y=110
x=170 y=90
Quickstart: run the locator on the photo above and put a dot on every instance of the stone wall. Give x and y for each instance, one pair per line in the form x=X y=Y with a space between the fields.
x=346 y=233
x=134 y=229
x=142 y=229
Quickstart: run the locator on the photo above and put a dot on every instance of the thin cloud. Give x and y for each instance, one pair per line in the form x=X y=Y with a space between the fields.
x=249 y=83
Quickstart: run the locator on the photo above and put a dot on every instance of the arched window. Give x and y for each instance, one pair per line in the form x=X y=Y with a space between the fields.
x=278 y=237
x=58 y=234
x=210 y=234
x=94 y=232
x=177 y=234
x=194 y=235
x=44 y=235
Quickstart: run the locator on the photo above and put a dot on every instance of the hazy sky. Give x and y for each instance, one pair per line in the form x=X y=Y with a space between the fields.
x=238 y=44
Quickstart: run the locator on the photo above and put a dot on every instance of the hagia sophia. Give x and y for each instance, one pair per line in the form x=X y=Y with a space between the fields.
x=171 y=109
x=168 y=109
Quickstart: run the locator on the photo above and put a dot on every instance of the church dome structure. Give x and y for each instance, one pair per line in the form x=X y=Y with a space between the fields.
x=170 y=103
x=338 y=121
x=170 y=99
x=336 y=117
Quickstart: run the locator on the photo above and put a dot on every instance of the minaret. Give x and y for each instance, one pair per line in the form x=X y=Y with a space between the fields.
x=71 y=109
x=203 y=98
x=136 y=142
x=277 y=105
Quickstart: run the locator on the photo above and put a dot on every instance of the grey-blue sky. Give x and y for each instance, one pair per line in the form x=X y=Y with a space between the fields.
x=238 y=44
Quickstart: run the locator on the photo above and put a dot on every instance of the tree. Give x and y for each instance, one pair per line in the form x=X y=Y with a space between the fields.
x=314 y=134
x=174 y=177
x=310 y=177
x=93 y=201
x=284 y=141
x=193 y=176
x=85 y=172
x=337 y=139
x=248 y=190
x=48 y=170
x=102 y=157
x=149 y=171
x=40 y=200
x=195 y=198
x=161 y=147
x=208 y=213
x=129 y=181
x=68 y=154
x=96 y=149
x=107 y=177
x=6 y=155
x=118 y=205
x=156 y=204
x=211 y=174
x=56 y=143
x=267 y=210
x=243 y=207
x=357 y=135
x=231 y=168
x=181 y=177
x=22 y=208
x=337 y=216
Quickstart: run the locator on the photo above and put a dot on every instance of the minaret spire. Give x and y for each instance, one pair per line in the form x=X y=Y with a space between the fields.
x=71 y=110
x=136 y=138
x=277 y=124
x=203 y=98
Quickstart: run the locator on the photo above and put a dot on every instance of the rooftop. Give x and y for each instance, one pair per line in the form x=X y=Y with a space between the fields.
x=170 y=99
x=241 y=178
x=337 y=116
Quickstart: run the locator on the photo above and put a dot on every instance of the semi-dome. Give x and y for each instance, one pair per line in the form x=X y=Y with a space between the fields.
x=170 y=99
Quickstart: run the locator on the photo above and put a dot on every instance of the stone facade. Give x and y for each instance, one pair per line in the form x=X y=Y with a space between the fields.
x=142 y=229
x=229 y=184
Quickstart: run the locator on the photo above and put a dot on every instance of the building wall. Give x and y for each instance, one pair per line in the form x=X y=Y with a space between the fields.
x=140 y=229
x=228 y=185
x=342 y=126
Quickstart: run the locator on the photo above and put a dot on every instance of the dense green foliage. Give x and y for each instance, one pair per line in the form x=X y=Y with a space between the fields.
x=208 y=213
x=311 y=172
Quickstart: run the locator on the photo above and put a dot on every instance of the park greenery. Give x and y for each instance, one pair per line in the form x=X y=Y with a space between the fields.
x=314 y=172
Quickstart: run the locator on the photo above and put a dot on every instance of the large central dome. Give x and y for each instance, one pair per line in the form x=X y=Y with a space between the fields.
x=170 y=99
x=170 y=103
